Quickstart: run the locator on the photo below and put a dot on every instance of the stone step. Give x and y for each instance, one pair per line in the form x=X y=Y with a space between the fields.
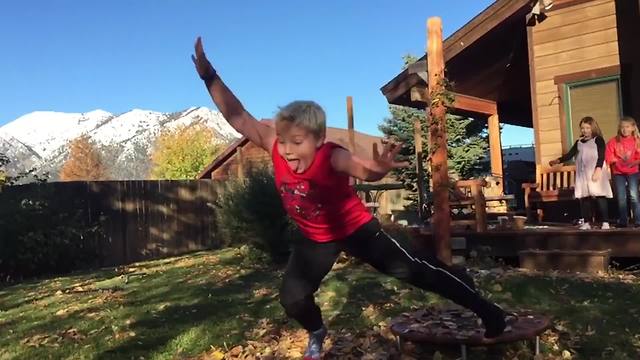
x=587 y=261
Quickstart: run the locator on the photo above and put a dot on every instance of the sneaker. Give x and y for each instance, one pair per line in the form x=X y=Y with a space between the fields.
x=605 y=226
x=585 y=226
x=314 y=347
x=494 y=320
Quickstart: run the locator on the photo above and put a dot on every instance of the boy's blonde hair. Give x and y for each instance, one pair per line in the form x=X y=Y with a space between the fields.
x=306 y=114
x=635 y=134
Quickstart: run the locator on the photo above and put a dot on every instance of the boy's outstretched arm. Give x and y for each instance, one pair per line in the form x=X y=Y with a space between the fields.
x=229 y=105
x=368 y=170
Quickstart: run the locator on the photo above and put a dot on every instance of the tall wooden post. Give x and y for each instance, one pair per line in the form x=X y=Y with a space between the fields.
x=417 y=140
x=495 y=149
x=240 y=159
x=352 y=136
x=350 y=131
x=441 y=221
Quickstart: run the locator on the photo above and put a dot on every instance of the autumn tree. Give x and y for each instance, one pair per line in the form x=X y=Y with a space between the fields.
x=183 y=152
x=84 y=161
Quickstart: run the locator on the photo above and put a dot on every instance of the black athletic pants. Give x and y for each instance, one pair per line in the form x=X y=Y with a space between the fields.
x=310 y=261
x=586 y=209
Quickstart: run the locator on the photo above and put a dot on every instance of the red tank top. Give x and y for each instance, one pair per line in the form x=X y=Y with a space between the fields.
x=320 y=200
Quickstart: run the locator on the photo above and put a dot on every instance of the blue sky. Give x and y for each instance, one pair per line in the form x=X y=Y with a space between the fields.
x=117 y=55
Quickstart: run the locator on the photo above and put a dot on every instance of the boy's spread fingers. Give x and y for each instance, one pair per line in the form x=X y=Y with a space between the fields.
x=396 y=149
x=387 y=147
x=376 y=154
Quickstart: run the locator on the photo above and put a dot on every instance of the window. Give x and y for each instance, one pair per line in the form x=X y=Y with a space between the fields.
x=599 y=98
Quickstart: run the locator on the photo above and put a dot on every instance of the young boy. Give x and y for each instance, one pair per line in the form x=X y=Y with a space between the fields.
x=312 y=177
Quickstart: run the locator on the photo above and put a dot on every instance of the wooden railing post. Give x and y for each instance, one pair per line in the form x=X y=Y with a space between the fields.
x=480 y=206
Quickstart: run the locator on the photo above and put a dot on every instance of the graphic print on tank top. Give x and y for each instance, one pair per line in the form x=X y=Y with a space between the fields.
x=299 y=199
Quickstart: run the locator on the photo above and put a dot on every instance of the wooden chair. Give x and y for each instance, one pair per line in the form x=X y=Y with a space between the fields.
x=552 y=184
x=468 y=194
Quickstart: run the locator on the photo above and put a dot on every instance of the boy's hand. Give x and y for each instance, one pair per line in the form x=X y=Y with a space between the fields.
x=554 y=162
x=597 y=173
x=386 y=161
x=203 y=66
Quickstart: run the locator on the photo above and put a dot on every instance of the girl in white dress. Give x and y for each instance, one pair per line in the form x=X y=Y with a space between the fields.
x=592 y=174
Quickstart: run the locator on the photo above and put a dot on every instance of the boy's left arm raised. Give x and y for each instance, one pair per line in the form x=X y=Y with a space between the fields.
x=368 y=170
x=229 y=105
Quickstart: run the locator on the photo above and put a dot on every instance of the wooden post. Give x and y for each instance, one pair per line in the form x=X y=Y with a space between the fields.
x=350 y=131
x=495 y=149
x=480 y=205
x=417 y=140
x=240 y=159
x=441 y=221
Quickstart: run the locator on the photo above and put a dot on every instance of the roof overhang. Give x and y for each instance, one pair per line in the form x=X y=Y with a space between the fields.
x=477 y=58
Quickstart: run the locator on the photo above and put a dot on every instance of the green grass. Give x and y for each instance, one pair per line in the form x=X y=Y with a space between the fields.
x=186 y=306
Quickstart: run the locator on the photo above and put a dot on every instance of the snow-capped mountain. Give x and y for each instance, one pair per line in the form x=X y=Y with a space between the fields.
x=22 y=156
x=39 y=139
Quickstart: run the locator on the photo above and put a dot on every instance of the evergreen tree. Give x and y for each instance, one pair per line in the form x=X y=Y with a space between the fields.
x=466 y=143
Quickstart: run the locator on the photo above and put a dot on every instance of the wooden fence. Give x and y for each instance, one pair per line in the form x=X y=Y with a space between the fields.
x=140 y=220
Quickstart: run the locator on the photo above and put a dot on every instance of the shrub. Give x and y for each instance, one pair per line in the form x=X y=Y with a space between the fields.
x=39 y=238
x=251 y=212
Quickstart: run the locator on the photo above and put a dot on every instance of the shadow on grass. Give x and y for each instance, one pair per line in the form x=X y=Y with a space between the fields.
x=186 y=303
x=591 y=317
x=17 y=295
x=199 y=316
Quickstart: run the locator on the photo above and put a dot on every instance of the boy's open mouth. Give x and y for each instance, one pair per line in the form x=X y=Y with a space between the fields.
x=294 y=164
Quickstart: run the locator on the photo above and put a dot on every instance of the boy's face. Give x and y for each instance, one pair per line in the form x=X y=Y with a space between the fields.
x=297 y=145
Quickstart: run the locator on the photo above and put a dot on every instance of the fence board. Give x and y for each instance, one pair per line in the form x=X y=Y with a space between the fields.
x=140 y=220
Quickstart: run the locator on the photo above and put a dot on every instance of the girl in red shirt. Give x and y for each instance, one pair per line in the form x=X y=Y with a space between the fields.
x=312 y=177
x=623 y=156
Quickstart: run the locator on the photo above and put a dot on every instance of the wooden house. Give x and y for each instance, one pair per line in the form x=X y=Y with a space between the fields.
x=544 y=71
x=543 y=64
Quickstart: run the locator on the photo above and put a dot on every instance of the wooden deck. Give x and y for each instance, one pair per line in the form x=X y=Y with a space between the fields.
x=624 y=243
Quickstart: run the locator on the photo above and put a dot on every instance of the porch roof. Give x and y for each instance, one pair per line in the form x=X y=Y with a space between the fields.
x=487 y=59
